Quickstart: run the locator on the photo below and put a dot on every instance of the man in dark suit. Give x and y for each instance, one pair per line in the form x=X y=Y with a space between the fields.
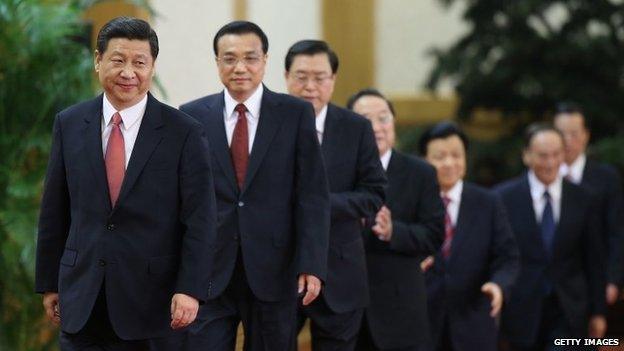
x=560 y=290
x=471 y=275
x=408 y=227
x=272 y=201
x=601 y=179
x=356 y=183
x=128 y=211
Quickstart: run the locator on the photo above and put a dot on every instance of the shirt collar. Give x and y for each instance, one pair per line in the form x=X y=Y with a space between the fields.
x=455 y=192
x=320 y=120
x=538 y=188
x=385 y=159
x=129 y=116
x=574 y=171
x=252 y=104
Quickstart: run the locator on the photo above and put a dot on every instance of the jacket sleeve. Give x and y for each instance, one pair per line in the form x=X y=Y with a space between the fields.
x=425 y=234
x=198 y=215
x=54 y=217
x=504 y=265
x=312 y=206
x=365 y=200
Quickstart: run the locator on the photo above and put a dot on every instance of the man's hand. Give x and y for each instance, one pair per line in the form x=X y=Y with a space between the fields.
x=597 y=326
x=383 y=224
x=51 y=305
x=183 y=310
x=427 y=263
x=495 y=294
x=613 y=293
x=311 y=285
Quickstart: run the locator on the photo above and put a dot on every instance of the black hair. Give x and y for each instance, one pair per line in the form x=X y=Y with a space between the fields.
x=240 y=28
x=368 y=92
x=310 y=48
x=570 y=107
x=441 y=130
x=128 y=28
x=536 y=128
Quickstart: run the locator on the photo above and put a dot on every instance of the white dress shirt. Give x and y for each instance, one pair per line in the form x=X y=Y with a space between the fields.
x=454 y=194
x=385 y=159
x=539 y=202
x=131 y=122
x=320 y=123
x=230 y=116
x=574 y=172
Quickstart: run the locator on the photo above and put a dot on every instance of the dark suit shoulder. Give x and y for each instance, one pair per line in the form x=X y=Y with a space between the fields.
x=414 y=164
x=202 y=101
x=600 y=172
x=477 y=191
x=347 y=116
x=510 y=186
x=81 y=109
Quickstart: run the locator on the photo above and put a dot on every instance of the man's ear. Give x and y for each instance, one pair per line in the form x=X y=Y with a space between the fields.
x=97 y=58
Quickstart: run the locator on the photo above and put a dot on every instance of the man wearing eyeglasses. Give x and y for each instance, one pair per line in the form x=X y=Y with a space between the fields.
x=272 y=201
x=356 y=184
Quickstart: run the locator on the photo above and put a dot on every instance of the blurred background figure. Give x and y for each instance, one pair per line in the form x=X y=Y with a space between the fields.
x=602 y=180
x=468 y=279
x=560 y=290
x=408 y=227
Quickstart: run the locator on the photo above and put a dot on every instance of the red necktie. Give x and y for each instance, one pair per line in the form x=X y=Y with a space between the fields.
x=240 y=145
x=115 y=159
x=448 y=229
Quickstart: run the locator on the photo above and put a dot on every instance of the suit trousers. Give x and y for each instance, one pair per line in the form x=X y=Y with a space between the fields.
x=267 y=325
x=365 y=341
x=330 y=330
x=98 y=333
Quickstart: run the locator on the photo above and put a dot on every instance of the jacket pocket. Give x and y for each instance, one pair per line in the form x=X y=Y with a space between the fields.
x=69 y=257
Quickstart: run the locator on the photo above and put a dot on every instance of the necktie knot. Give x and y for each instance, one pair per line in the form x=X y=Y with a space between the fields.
x=117 y=119
x=547 y=196
x=446 y=200
x=240 y=109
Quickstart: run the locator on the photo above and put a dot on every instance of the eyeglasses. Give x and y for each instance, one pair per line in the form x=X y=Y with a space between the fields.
x=382 y=119
x=303 y=79
x=232 y=61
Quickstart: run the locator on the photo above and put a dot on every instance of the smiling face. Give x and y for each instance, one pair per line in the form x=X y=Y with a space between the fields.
x=125 y=70
x=241 y=63
x=310 y=77
x=448 y=157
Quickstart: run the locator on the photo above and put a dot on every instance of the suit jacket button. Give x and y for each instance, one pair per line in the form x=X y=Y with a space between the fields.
x=236 y=237
x=110 y=226
x=241 y=204
x=102 y=263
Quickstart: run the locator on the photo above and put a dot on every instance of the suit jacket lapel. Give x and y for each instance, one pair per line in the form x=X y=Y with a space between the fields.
x=268 y=124
x=467 y=212
x=215 y=130
x=527 y=212
x=150 y=134
x=93 y=144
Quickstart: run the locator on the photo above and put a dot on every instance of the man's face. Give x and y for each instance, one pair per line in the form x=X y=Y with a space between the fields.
x=448 y=156
x=378 y=112
x=310 y=77
x=575 y=135
x=241 y=63
x=125 y=70
x=544 y=156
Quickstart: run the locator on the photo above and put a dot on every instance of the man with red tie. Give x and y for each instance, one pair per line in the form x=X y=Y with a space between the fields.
x=272 y=201
x=128 y=210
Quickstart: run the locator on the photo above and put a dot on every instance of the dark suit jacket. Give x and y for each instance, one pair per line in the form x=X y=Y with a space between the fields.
x=606 y=184
x=155 y=242
x=280 y=218
x=397 y=315
x=576 y=269
x=356 y=182
x=483 y=249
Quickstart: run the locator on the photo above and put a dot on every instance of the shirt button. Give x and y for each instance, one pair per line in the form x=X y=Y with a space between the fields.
x=110 y=226
x=102 y=263
x=241 y=204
